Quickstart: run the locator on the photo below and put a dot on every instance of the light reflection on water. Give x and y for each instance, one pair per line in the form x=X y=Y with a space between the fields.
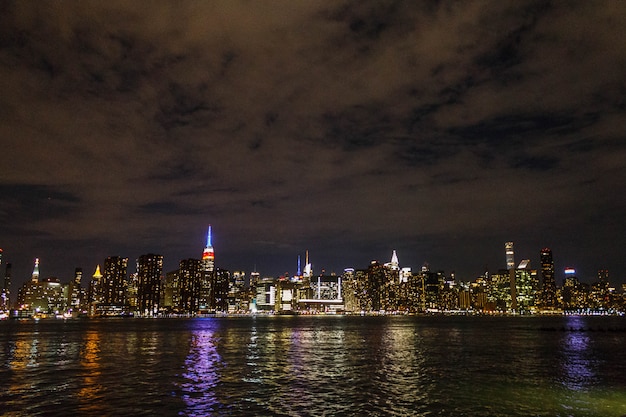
x=201 y=374
x=577 y=364
x=90 y=400
x=310 y=366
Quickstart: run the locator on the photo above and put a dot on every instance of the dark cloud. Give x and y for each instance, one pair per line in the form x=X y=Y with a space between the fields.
x=439 y=128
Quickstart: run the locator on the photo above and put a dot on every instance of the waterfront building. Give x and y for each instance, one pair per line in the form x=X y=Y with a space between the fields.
x=574 y=293
x=323 y=294
x=548 y=281
x=499 y=295
x=600 y=292
x=114 y=280
x=5 y=296
x=478 y=295
x=75 y=294
x=149 y=270
x=524 y=288
x=220 y=282
x=190 y=274
x=433 y=284
x=169 y=287
x=285 y=299
x=265 y=299
x=351 y=291
x=238 y=297
x=132 y=287
x=376 y=286
x=43 y=297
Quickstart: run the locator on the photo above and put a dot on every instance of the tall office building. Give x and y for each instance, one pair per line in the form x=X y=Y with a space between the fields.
x=510 y=255
x=525 y=287
x=114 y=281
x=185 y=299
x=548 y=280
x=149 y=270
x=75 y=291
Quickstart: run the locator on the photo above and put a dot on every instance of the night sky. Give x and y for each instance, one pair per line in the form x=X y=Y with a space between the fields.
x=440 y=129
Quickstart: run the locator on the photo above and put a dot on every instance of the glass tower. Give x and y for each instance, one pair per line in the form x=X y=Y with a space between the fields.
x=510 y=256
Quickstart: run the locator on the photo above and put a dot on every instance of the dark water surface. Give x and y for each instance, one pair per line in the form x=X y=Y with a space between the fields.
x=315 y=366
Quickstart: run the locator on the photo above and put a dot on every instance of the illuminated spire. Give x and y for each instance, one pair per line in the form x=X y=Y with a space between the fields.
x=97 y=274
x=208 y=255
x=35 y=277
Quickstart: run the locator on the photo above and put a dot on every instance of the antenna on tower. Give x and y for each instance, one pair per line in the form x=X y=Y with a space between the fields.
x=208 y=238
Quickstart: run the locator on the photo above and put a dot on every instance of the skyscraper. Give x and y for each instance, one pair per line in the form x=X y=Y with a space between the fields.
x=510 y=255
x=208 y=268
x=525 y=287
x=208 y=255
x=75 y=291
x=5 y=299
x=94 y=294
x=149 y=270
x=35 y=276
x=547 y=279
x=114 y=280
x=189 y=278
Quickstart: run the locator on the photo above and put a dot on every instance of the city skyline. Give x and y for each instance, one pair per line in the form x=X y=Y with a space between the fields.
x=350 y=129
x=558 y=274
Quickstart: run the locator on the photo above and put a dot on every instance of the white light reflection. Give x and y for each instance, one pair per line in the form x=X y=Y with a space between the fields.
x=201 y=374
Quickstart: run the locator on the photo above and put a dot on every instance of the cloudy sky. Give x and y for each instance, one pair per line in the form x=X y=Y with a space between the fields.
x=441 y=129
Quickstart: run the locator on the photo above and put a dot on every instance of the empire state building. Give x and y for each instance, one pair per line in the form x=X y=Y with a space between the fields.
x=206 y=282
x=208 y=256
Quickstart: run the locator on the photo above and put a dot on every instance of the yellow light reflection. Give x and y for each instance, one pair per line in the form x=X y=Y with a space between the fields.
x=89 y=394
